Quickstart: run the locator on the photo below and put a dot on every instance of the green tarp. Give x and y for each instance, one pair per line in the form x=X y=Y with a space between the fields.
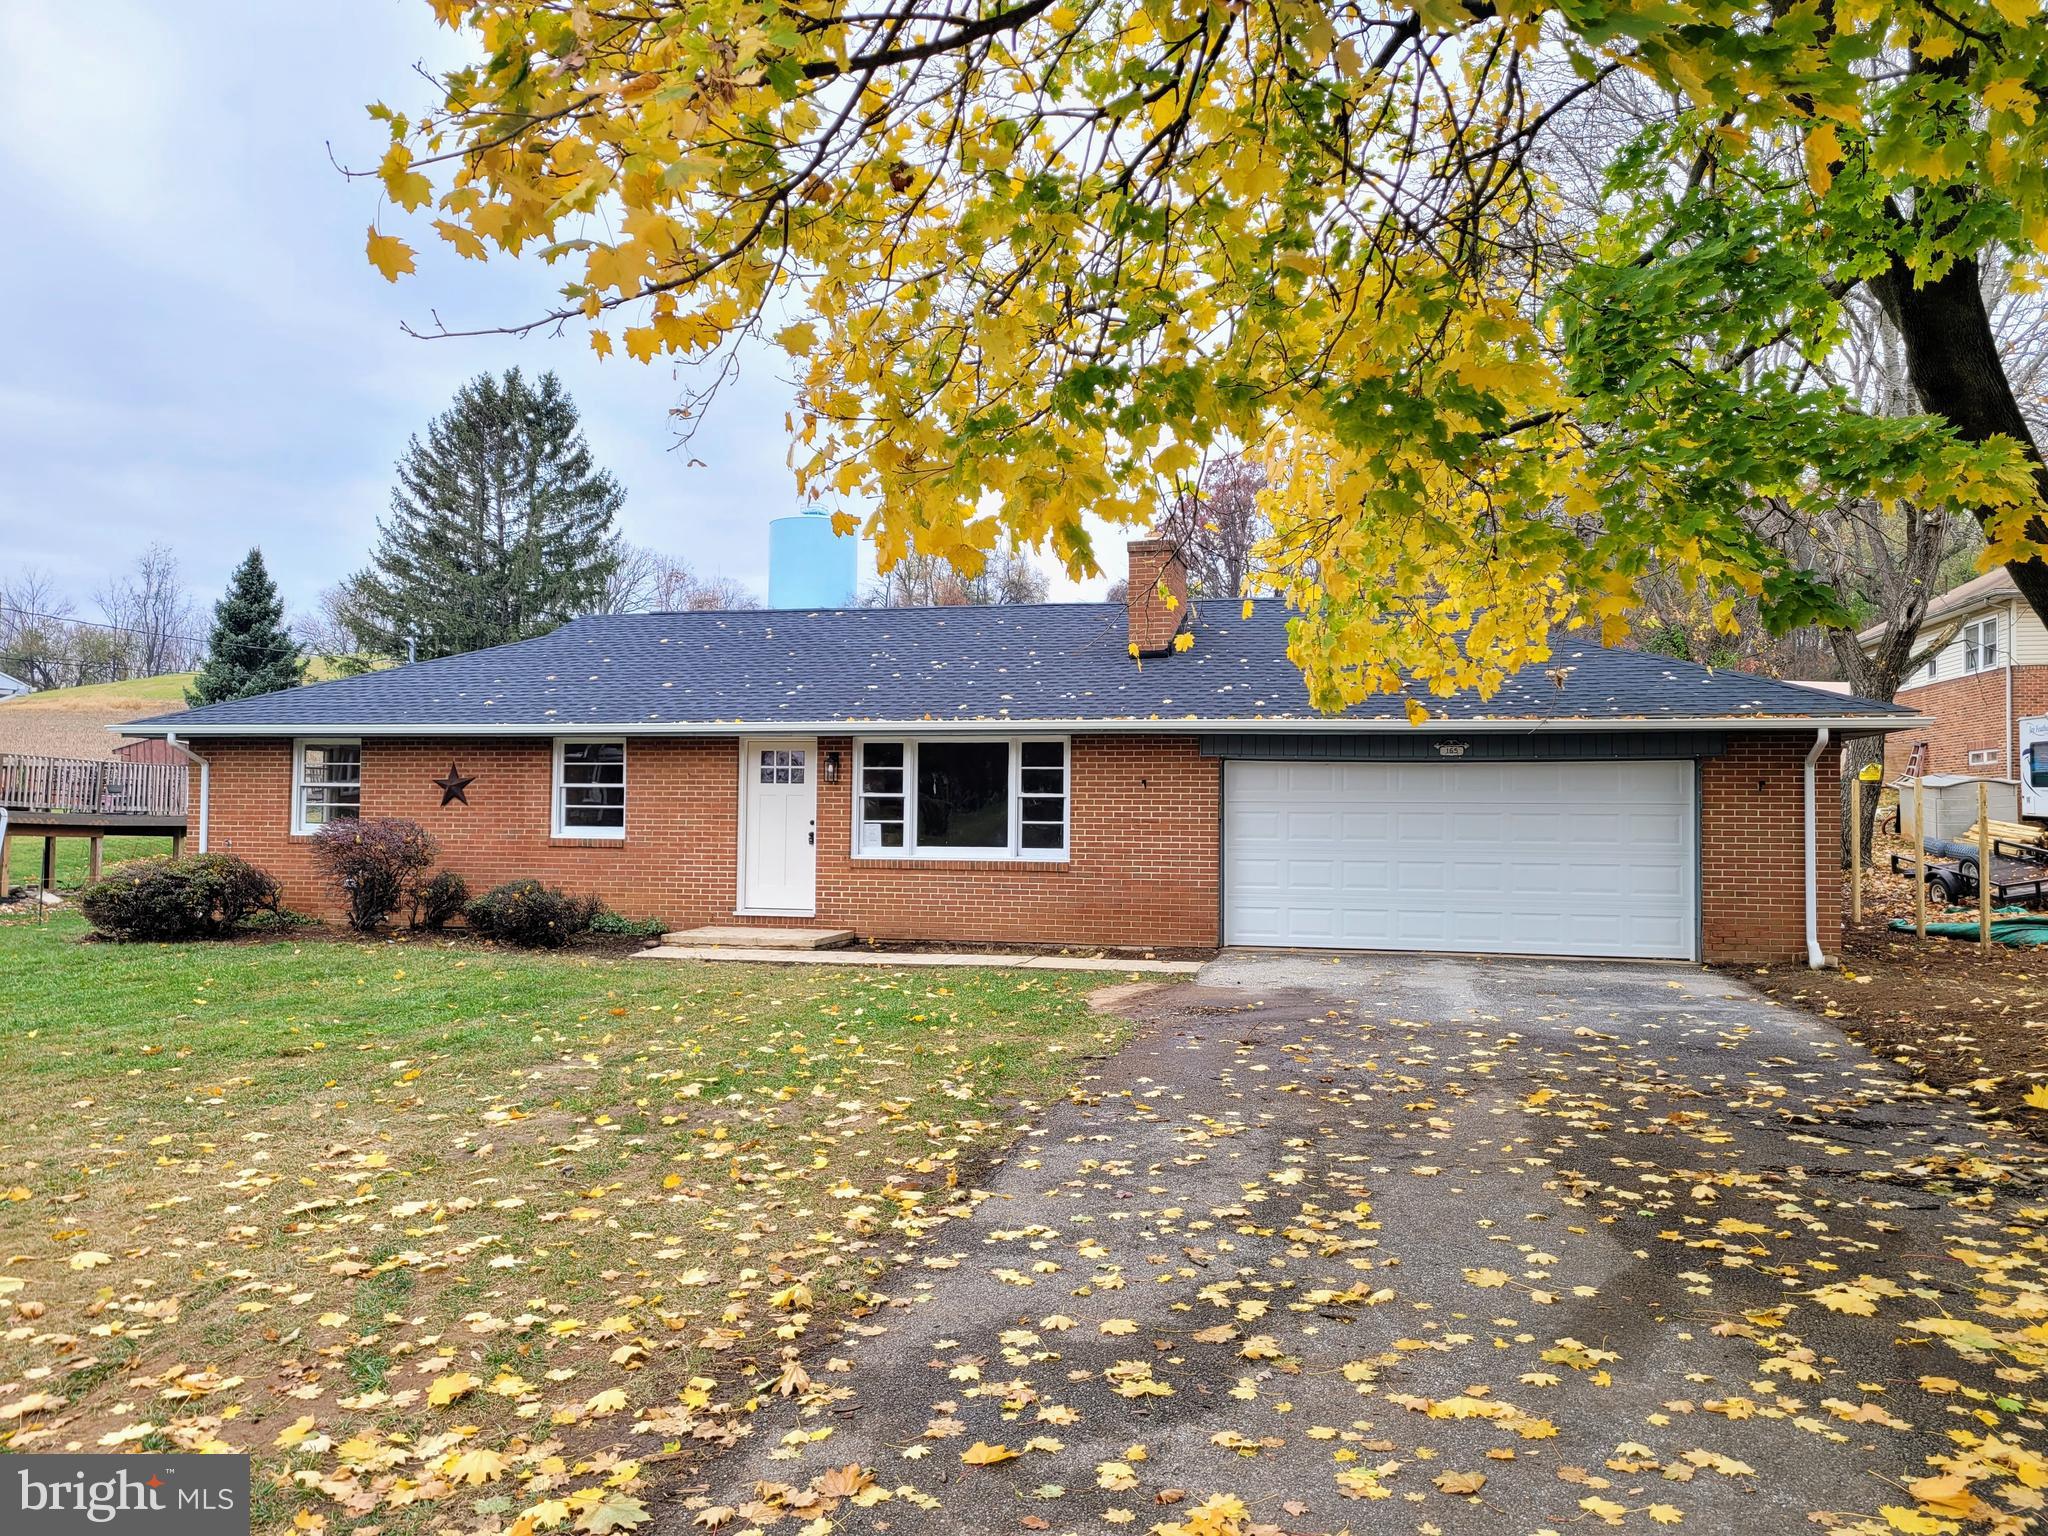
x=2019 y=931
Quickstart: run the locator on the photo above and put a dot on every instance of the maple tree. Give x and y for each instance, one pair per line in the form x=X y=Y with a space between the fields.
x=1033 y=259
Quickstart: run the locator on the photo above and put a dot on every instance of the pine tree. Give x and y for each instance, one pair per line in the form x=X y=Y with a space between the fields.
x=249 y=651
x=500 y=526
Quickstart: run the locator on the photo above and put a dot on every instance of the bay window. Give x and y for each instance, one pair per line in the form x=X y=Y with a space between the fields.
x=962 y=798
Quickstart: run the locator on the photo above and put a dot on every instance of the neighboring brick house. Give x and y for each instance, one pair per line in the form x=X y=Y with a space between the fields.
x=1991 y=673
x=1015 y=774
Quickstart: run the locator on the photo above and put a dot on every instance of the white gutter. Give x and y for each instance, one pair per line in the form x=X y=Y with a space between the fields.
x=1011 y=724
x=205 y=784
x=1814 y=958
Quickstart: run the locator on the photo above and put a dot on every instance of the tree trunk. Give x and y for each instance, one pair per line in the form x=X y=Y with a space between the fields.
x=1953 y=364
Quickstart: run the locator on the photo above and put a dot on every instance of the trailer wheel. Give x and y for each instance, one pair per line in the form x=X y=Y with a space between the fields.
x=1940 y=888
x=1967 y=868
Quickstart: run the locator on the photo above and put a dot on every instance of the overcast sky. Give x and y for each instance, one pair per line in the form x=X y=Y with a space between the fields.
x=196 y=350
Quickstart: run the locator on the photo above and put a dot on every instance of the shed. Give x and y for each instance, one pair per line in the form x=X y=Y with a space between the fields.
x=1949 y=810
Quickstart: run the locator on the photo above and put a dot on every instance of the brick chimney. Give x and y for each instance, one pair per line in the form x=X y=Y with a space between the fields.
x=1156 y=567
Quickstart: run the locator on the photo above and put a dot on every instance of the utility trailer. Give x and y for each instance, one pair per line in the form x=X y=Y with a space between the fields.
x=2019 y=872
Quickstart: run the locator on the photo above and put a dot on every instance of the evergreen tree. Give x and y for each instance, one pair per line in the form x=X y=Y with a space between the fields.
x=500 y=526
x=249 y=651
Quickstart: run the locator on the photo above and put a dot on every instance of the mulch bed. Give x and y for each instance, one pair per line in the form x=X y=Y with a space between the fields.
x=452 y=938
x=1963 y=1020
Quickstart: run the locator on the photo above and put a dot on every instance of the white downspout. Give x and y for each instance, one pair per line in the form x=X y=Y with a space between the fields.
x=2011 y=754
x=206 y=783
x=1814 y=958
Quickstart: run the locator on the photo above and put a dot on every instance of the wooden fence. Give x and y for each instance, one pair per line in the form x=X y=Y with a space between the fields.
x=84 y=786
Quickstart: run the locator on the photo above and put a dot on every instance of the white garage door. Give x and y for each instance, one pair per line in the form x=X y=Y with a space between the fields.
x=1586 y=858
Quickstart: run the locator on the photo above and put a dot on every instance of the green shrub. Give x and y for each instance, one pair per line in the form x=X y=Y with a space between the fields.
x=530 y=915
x=373 y=864
x=278 y=920
x=206 y=896
x=604 y=920
x=436 y=901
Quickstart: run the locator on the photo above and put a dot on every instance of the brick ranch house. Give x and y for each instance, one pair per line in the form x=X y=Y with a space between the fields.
x=1991 y=674
x=1012 y=774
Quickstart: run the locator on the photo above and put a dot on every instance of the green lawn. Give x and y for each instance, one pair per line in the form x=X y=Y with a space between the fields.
x=25 y=860
x=429 y=1227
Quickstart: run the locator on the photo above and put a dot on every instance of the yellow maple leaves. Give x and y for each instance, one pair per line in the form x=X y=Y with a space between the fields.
x=451 y=1387
x=1823 y=148
x=982 y=1454
x=389 y=255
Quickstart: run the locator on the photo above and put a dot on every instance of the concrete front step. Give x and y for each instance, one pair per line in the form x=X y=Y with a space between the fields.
x=735 y=936
x=917 y=959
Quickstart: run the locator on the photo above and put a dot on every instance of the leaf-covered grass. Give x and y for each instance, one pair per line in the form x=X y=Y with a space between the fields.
x=74 y=857
x=409 y=1219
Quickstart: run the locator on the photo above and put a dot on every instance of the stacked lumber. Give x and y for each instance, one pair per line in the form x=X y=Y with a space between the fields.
x=2007 y=831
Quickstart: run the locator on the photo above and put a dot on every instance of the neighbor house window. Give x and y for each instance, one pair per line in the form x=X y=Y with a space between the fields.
x=327 y=783
x=590 y=789
x=1980 y=645
x=954 y=798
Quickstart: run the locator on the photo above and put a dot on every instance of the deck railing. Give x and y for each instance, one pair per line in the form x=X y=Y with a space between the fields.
x=83 y=786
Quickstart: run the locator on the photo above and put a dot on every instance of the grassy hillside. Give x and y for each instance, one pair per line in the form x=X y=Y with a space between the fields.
x=137 y=696
x=116 y=701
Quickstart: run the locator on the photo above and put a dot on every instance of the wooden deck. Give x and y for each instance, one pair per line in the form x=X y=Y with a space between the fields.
x=53 y=797
x=63 y=786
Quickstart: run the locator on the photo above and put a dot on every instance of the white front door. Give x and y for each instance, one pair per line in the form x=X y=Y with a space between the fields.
x=779 y=827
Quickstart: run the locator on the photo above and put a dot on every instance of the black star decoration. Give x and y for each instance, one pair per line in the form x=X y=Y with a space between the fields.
x=455 y=786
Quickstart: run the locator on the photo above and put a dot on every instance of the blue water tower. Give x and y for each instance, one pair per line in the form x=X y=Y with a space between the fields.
x=810 y=566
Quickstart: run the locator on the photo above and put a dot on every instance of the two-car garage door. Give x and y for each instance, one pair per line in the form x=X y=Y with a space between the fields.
x=1521 y=858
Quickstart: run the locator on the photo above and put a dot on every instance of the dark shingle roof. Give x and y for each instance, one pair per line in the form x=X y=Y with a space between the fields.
x=1047 y=662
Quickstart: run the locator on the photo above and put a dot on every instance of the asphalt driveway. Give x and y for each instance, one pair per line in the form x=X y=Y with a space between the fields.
x=1444 y=1245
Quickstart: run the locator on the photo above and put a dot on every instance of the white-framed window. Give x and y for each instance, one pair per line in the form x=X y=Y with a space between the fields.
x=783 y=765
x=1985 y=757
x=1980 y=645
x=962 y=797
x=590 y=787
x=327 y=783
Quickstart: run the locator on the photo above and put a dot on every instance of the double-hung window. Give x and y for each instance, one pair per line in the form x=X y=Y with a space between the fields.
x=590 y=789
x=327 y=783
x=954 y=798
x=1980 y=645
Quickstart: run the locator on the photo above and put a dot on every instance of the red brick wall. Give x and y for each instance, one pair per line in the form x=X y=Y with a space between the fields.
x=1142 y=868
x=1753 y=849
x=676 y=860
x=1969 y=715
